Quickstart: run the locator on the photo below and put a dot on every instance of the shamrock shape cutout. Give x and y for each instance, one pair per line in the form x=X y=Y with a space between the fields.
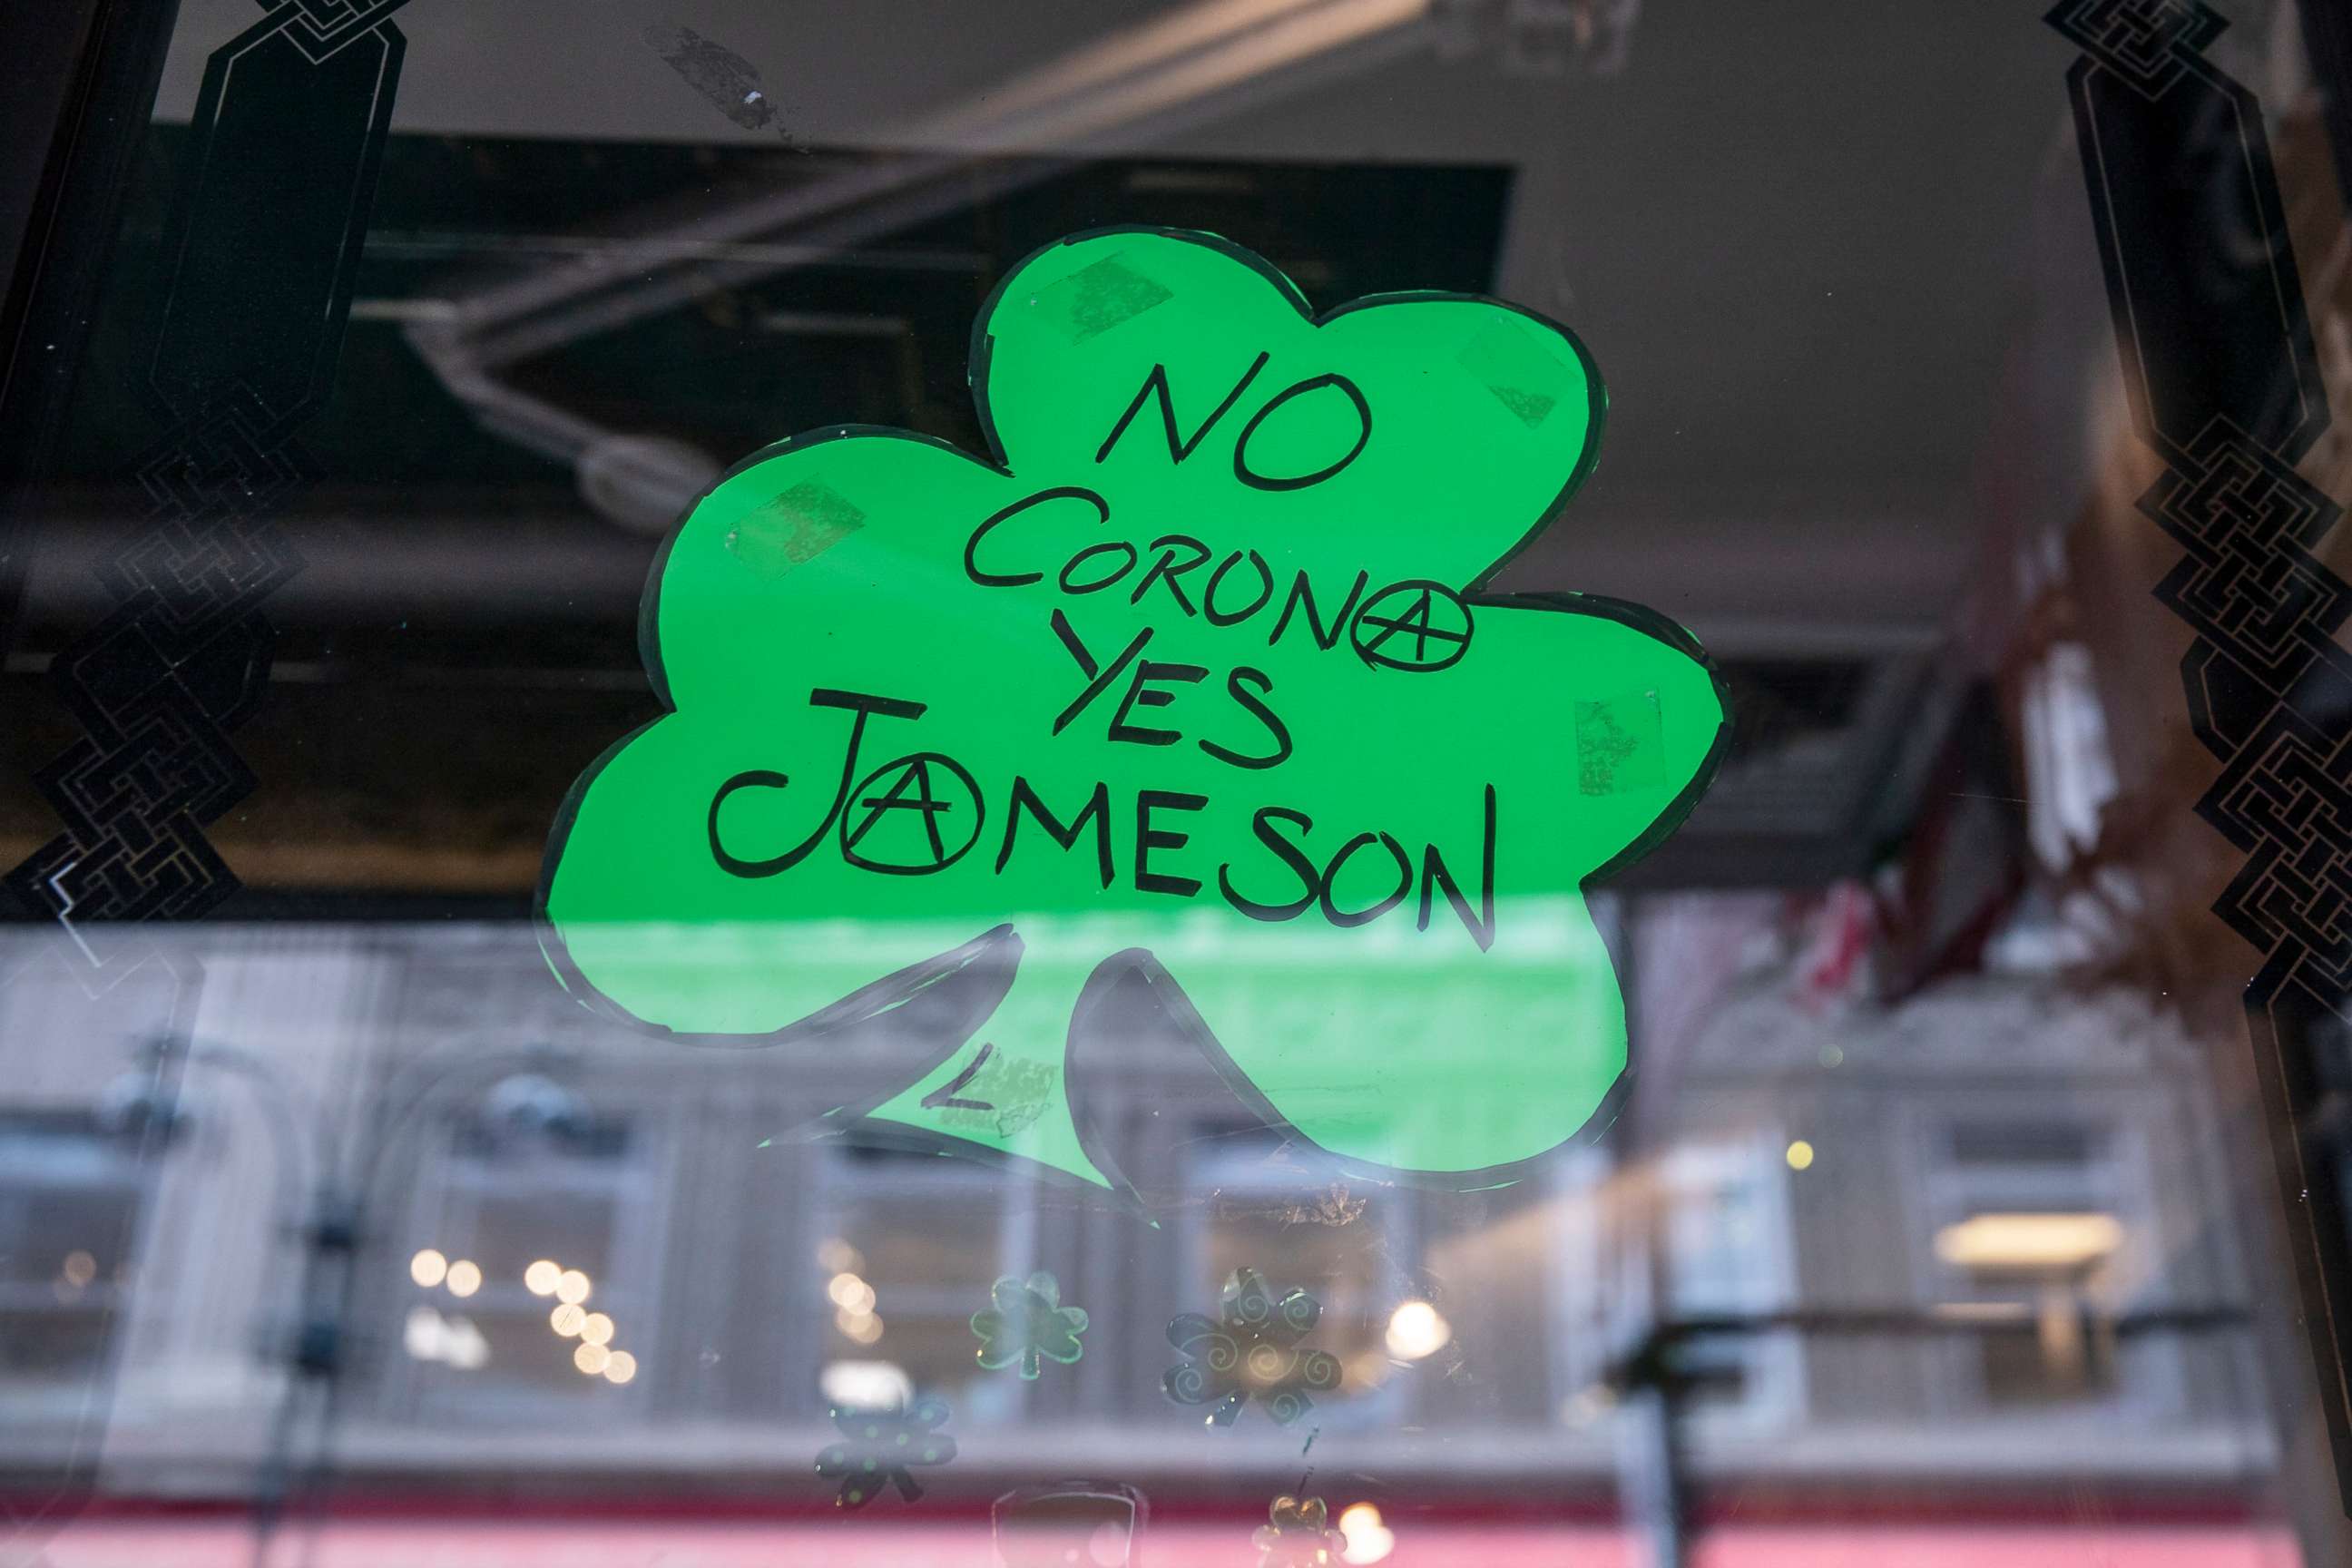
x=1028 y=1322
x=1200 y=680
x=1297 y=1534
x=883 y=1446
x=1253 y=1350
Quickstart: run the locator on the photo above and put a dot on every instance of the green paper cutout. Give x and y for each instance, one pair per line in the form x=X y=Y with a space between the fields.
x=1199 y=679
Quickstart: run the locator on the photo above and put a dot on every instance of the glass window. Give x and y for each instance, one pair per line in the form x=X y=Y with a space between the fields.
x=1093 y=781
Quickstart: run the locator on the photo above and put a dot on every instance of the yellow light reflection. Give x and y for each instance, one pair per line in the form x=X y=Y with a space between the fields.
x=1801 y=1155
x=428 y=1269
x=1368 y=1539
x=1416 y=1329
x=621 y=1367
x=567 y=1318
x=592 y=1359
x=2029 y=1241
x=80 y=1270
x=850 y=1293
x=572 y=1287
x=596 y=1329
x=465 y=1277
x=541 y=1276
x=862 y=1327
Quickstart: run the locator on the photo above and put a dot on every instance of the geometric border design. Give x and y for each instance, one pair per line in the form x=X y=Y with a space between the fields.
x=2145 y=43
x=2222 y=381
x=185 y=656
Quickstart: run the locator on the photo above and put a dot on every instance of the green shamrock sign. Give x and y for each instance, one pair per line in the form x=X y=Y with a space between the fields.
x=1194 y=692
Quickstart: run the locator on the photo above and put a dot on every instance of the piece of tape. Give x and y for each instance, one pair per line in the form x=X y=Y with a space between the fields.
x=1015 y=1090
x=794 y=528
x=1097 y=297
x=1506 y=358
x=1620 y=744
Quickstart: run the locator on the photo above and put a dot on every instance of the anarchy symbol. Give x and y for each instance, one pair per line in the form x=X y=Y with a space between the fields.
x=906 y=798
x=1420 y=612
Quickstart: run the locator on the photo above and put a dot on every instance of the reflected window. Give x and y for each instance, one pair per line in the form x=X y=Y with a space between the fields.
x=528 y=1282
x=910 y=1245
x=2031 y=1222
x=69 y=1200
x=1344 y=1246
x=1727 y=1237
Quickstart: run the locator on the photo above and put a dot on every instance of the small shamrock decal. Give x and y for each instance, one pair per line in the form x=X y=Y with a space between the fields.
x=1253 y=1350
x=883 y=1446
x=1198 y=679
x=1027 y=1324
x=1297 y=1535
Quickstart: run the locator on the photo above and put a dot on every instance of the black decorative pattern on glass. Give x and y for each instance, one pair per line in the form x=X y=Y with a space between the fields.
x=2222 y=380
x=325 y=28
x=263 y=241
x=2147 y=43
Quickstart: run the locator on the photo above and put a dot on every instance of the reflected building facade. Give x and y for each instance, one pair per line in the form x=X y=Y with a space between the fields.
x=1902 y=1243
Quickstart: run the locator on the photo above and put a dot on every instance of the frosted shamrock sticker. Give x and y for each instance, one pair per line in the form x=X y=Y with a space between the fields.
x=1024 y=1325
x=1183 y=738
